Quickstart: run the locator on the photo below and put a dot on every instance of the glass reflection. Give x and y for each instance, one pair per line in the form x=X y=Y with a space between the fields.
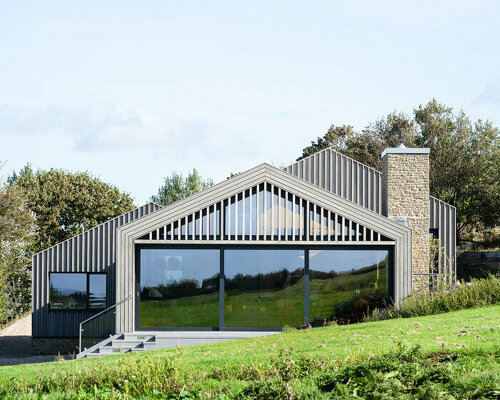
x=97 y=291
x=345 y=284
x=179 y=288
x=68 y=291
x=263 y=288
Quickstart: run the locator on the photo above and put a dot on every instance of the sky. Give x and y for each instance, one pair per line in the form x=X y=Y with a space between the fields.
x=133 y=90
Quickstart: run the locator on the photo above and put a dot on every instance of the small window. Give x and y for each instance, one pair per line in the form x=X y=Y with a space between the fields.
x=97 y=291
x=68 y=291
x=77 y=291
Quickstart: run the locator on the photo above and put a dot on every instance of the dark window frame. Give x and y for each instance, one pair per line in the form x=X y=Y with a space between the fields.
x=222 y=248
x=87 y=279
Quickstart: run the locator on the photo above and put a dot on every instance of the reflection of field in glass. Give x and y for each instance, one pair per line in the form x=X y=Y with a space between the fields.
x=267 y=308
x=194 y=311
x=272 y=308
x=329 y=296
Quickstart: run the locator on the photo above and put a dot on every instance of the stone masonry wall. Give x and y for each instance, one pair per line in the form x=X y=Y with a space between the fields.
x=405 y=198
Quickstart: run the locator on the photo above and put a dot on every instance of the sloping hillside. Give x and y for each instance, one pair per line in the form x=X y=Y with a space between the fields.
x=301 y=363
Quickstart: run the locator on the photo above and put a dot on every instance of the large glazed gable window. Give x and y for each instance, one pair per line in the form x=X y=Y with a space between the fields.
x=264 y=212
x=77 y=291
x=179 y=288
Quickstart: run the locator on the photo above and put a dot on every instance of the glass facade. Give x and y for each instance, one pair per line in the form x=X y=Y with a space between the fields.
x=264 y=212
x=179 y=288
x=263 y=288
x=345 y=283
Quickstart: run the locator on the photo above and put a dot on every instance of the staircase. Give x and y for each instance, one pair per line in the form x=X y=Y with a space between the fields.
x=120 y=343
x=143 y=341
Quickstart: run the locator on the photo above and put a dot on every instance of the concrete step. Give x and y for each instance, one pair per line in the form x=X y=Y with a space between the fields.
x=135 y=336
x=124 y=343
x=144 y=341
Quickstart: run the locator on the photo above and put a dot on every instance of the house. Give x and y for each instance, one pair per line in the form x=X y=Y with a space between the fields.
x=324 y=238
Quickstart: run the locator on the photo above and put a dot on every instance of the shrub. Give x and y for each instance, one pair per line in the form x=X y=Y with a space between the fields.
x=479 y=292
x=407 y=373
x=134 y=376
x=269 y=389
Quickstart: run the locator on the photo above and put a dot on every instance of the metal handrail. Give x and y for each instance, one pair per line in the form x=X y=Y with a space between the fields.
x=95 y=316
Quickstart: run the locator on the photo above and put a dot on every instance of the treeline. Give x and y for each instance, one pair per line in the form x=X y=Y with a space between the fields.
x=246 y=283
x=464 y=157
x=39 y=209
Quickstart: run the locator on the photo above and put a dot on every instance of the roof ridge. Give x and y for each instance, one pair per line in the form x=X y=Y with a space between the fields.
x=358 y=162
x=337 y=152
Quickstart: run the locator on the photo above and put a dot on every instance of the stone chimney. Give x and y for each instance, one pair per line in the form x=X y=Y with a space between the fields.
x=405 y=199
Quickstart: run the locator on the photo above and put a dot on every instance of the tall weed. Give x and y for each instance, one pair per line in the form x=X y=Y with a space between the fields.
x=477 y=293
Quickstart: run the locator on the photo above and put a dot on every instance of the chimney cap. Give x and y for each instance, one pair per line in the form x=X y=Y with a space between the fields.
x=402 y=149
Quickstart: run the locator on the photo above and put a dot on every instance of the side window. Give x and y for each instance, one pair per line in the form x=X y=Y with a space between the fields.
x=77 y=291
x=97 y=291
x=68 y=291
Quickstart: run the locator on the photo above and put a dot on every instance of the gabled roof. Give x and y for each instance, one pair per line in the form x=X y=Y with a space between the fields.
x=345 y=177
x=260 y=174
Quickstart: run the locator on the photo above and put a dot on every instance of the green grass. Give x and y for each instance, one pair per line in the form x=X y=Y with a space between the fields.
x=468 y=340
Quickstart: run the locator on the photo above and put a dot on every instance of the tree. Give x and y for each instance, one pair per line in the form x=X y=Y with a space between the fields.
x=336 y=137
x=66 y=203
x=176 y=187
x=17 y=234
x=464 y=158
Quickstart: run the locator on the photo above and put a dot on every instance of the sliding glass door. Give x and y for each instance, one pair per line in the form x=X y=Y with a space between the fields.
x=263 y=287
x=345 y=283
x=179 y=288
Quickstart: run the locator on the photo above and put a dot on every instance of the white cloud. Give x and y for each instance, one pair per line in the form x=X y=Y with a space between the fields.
x=131 y=147
x=490 y=95
x=104 y=127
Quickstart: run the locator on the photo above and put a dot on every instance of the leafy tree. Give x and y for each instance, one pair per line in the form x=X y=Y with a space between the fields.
x=17 y=234
x=336 y=137
x=66 y=203
x=464 y=158
x=176 y=187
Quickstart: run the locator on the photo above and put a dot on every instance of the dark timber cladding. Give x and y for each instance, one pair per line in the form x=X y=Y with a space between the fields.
x=362 y=185
x=90 y=251
x=186 y=212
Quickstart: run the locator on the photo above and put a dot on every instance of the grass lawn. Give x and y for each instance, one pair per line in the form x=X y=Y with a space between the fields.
x=217 y=367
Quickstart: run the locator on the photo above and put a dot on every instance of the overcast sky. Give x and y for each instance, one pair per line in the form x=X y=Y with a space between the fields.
x=132 y=90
